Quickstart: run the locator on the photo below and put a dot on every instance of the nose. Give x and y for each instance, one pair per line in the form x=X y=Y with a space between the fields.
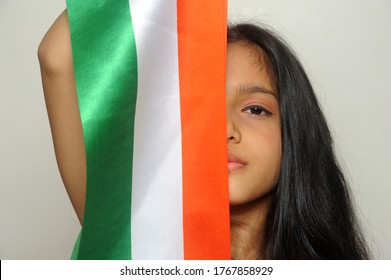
x=233 y=133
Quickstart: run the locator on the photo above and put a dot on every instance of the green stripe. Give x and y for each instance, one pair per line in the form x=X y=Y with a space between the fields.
x=104 y=55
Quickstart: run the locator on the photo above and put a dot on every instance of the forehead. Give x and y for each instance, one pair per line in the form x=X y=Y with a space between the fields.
x=247 y=63
x=249 y=52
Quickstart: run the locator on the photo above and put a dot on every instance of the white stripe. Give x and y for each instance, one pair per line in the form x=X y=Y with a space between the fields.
x=156 y=218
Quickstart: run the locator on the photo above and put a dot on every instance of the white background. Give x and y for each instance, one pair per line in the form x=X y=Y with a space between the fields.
x=344 y=45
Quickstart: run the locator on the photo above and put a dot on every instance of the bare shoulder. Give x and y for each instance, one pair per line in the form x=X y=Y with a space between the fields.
x=55 y=57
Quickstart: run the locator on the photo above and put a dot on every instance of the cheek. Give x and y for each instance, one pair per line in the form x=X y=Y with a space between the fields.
x=268 y=151
x=265 y=141
x=263 y=148
x=266 y=158
x=266 y=154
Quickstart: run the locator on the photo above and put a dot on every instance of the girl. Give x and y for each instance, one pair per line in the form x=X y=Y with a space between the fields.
x=287 y=194
x=289 y=199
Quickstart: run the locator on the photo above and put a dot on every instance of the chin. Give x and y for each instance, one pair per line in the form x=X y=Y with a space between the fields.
x=235 y=199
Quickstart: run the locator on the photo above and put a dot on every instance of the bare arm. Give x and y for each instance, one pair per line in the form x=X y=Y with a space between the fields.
x=55 y=58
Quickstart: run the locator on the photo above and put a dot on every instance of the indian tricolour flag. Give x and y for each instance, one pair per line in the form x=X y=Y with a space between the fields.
x=150 y=79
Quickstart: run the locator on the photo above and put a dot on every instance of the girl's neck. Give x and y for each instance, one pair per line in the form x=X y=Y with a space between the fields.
x=247 y=229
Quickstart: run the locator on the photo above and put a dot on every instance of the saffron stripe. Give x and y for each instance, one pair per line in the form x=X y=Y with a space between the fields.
x=202 y=60
x=157 y=229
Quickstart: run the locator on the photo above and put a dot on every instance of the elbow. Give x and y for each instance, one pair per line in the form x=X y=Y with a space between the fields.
x=41 y=53
x=55 y=51
x=48 y=60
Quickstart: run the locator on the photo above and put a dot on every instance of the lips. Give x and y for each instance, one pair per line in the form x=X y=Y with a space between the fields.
x=235 y=163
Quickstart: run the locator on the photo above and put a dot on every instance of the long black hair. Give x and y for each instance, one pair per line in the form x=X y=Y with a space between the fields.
x=311 y=214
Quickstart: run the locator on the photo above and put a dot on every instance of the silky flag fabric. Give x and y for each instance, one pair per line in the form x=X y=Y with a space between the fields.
x=150 y=79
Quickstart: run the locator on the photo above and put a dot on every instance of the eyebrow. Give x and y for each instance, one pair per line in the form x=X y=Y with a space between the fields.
x=249 y=88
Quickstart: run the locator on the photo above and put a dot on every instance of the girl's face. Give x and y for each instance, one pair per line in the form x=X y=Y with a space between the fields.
x=253 y=125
